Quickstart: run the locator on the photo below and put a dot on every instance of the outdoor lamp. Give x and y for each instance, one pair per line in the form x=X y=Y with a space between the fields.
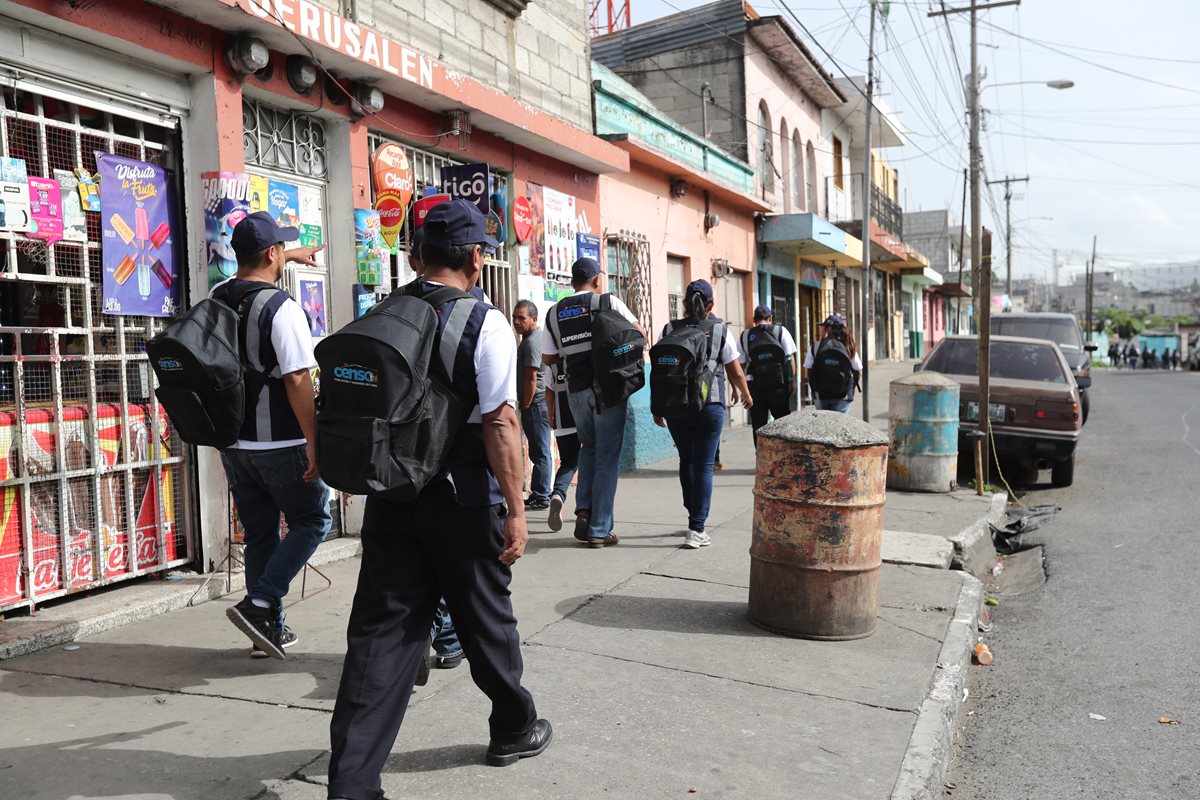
x=247 y=55
x=301 y=74
x=367 y=100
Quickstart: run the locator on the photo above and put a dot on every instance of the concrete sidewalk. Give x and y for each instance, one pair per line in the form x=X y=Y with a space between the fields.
x=641 y=655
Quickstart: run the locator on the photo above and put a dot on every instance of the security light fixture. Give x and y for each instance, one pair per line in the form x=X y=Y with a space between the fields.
x=302 y=74
x=367 y=100
x=679 y=187
x=247 y=55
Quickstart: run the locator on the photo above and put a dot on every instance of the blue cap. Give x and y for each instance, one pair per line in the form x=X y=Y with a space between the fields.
x=702 y=288
x=258 y=231
x=834 y=321
x=418 y=237
x=457 y=222
x=763 y=312
x=584 y=269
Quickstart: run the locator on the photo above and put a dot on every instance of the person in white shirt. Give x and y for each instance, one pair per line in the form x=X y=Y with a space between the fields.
x=772 y=381
x=835 y=338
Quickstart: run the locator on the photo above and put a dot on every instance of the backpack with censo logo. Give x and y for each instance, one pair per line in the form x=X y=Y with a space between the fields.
x=683 y=368
x=765 y=358
x=201 y=373
x=618 y=364
x=387 y=417
x=831 y=374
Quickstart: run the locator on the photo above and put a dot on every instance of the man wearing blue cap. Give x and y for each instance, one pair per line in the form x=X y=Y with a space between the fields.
x=459 y=539
x=568 y=337
x=272 y=468
x=769 y=358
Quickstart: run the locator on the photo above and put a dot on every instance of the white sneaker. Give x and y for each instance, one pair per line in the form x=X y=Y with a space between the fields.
x=555 y=518
x=695 y=540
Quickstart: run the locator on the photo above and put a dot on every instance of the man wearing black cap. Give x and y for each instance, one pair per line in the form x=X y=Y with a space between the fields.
x=775 y=387
x=568 y=336
x=272 y=468
x=459 y=538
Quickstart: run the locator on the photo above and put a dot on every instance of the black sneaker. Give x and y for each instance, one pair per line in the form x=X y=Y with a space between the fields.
x=529 y=745
x=583 y=520
x=286 y=640
x=260 y=625
x=448 y=662
x=536 y=505
x=423 y=669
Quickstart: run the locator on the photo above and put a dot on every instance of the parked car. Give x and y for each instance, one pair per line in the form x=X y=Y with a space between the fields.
x=1033 y=400
x=1063 y=330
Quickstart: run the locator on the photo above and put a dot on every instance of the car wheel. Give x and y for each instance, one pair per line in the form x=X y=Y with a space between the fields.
x=1084 y=403
x=1063 y=472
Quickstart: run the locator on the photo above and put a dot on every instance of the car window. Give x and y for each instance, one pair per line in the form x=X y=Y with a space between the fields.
x=1011 y=360
x=1062 y=332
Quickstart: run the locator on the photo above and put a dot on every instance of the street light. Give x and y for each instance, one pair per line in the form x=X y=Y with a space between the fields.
x=1056 y=84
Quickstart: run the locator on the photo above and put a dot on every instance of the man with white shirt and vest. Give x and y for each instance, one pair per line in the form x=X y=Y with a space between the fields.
x=459 y=538
x=272 y=468
x=568 y=338
x=769 y=360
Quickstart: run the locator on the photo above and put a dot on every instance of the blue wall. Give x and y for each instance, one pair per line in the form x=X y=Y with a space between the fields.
x=645 y=442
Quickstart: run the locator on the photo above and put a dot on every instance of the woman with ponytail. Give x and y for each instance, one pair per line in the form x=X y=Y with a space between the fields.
x=697 y=436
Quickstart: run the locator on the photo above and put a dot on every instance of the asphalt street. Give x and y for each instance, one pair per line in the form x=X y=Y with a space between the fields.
x=1113 y=630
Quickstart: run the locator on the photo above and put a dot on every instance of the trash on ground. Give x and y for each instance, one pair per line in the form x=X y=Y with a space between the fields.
x=1097 y=716
x=966 y=694
x=998 y=567
x=983 y=655
x=1168 y=721
x=988 y=600
x=1009 y=537
x=71 y=647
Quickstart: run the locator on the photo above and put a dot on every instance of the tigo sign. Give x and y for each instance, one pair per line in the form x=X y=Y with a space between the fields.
x=470 y=182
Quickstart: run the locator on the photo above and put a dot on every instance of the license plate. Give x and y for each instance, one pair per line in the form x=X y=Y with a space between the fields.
x=996 y=411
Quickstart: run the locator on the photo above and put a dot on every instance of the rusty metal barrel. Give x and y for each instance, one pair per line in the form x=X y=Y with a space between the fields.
x=923 y=428
x=819 y=492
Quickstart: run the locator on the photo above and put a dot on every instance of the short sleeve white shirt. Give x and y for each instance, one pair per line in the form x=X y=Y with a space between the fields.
x=855 y=361
x=495 y=365
x=550 y=347
x=786 y=341
x=729 y=348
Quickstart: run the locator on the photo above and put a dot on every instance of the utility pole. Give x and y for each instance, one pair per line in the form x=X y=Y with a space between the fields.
x=1008 y=182
x=983 y=306
x=867 y=183
x=1090 y=286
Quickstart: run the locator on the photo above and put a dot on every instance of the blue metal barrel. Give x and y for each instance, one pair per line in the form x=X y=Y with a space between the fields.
x=923 y=428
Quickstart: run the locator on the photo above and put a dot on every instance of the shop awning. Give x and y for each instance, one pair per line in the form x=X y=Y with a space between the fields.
x=813 y=238
x=921 y=276
x=953 y=289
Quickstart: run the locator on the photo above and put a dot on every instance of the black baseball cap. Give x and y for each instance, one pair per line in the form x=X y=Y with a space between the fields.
x=763 y=312
x=584 y=269
x=700 y=287
x=834 y=321
x=457 y=222
x=258 y=231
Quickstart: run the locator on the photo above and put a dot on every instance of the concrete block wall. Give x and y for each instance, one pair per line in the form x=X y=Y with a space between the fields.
x=672 y=82
x=929 y=233
x=542 y=57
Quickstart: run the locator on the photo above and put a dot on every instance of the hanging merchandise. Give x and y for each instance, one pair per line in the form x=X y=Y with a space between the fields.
x=74 y=223
x=89 y=189
x=136 y=238
x=500 y=210
x=226 y=203
x=45 y=207
x=368 y=247
x=393 y=178
x=14 y=196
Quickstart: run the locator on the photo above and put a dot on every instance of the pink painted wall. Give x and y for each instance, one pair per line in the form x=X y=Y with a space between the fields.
x=640 y=202
x=935 y=319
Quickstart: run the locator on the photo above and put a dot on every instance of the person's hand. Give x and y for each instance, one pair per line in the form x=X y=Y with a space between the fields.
x=303 y=255
x=516 y=534
x=747 y=402
x=735 y=396
x=312 y=473
x=660 y=422
x=550 y=418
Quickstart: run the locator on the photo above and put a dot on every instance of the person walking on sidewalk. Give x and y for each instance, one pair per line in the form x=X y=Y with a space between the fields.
x=834 y=366
x=272 y=468
x=558 y=409
x=698 y=435
x=531 y=394
x=769 y=360
x=568 y=337
x=458 y=538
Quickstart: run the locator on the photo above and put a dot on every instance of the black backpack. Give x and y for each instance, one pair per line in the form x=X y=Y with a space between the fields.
x=830 y=375
x=387 y=417
x=618 y=361
x=683 y=368
x=201 y=371
x=765 y=358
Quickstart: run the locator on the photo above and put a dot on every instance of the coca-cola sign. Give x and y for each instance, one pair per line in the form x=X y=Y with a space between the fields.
x=522 y=214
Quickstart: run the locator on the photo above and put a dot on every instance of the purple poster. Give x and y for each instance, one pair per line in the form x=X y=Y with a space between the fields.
x=136 y=239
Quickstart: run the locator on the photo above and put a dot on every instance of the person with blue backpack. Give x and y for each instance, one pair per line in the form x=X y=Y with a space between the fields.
x=833 y=366
x=769 y=360
x=687 y=397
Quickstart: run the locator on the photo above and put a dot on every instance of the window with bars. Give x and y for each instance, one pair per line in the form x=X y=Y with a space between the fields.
x=628 y=257
x=90 y=471
x=285 y=140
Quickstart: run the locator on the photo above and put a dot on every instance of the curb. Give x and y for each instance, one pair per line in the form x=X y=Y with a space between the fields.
x=973 y=549
x=106 y=611
x=923 y=770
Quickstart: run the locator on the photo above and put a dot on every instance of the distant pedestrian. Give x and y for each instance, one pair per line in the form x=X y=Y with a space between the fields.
x=769 y=360
x=834 y=366
x=697 y=433
x=568 y=337
x=1147 y=357
x=1131 y=356
x=272 y=468
x=531 y=394
x=1176 y=359
x=1114 y=356
x=558 y=410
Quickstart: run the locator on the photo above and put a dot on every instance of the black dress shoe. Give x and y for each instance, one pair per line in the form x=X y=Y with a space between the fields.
x=607 y=541
x=529 y=745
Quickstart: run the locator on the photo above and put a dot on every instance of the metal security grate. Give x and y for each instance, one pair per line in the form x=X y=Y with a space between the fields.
x=284 y=140
x=629 y=268
x=91 y=475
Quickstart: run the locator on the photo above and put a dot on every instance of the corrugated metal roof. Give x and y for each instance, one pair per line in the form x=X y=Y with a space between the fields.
x=725 y=18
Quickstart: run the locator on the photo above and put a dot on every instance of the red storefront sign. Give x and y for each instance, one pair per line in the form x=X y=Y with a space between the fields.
x=522 y=219
x=393 y=177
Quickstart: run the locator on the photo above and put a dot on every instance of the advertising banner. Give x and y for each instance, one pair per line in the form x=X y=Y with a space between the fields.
x=227 y=197
x=260 y=187
x=368 y=246
x=471 y=182
x=588 y=246
x=45 y=207
x=393 y=179
x=537 y=237
x=136 y=238
x=364 y=299
x=522 y=219
x=74 y=223
x=283 y=203
x=422 y=207
x=14 y=196
x=559 y=235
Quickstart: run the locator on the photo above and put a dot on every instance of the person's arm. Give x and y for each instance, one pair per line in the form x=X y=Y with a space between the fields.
x=529 y=386
x=550 y=406
x=502 y=440
x=549 y=347
x=303 y=255
x=737 y=379
x=299 y=388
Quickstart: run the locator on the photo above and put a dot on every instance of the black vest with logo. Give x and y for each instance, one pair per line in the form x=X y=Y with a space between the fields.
x=570 y=323
x=268 y=416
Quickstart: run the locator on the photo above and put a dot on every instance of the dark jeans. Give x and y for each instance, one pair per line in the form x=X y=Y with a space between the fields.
x=414 y=554
x=697 y=438
x=775 y=402
x=536 y=424
x=568 y=461
x=445 y=638
x=266 y=484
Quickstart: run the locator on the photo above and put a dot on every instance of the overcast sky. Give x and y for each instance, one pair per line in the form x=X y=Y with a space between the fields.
x=1117 y=155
